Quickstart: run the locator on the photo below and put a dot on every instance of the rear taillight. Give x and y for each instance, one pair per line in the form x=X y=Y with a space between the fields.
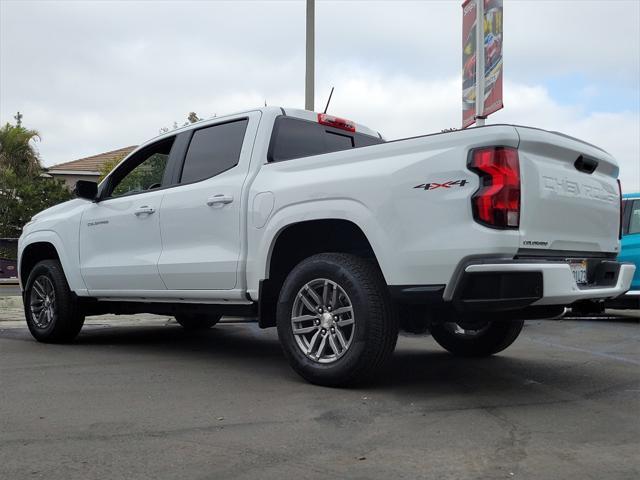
x=336 y=122
x=496 y=203
x=621 y=210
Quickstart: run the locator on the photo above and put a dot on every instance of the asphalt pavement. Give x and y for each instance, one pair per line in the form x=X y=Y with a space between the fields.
x=147 y=400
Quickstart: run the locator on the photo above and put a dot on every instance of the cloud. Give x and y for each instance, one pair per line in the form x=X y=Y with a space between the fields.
x=94 y=76
x=401 y=106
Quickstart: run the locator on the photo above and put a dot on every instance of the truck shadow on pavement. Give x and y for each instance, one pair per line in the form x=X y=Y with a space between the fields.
x=527 y=374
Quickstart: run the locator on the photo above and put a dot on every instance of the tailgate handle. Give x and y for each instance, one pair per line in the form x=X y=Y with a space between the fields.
x=586 y=164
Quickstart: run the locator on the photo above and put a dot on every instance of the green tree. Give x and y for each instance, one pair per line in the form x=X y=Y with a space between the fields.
x=110 y=165
x=22 y=196
x=23 y=190
x=17 y=151
x=192 y=117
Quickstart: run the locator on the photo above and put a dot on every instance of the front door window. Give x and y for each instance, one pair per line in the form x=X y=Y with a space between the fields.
x=143 y=172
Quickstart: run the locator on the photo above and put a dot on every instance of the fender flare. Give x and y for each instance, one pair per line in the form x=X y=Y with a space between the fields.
x=69 y=267
x=260 y=253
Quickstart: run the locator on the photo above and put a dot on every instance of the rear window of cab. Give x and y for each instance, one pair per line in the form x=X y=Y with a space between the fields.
x=297 y=138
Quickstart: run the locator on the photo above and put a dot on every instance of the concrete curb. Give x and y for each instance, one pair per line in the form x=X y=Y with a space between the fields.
x=10 y=302
x=104 y=321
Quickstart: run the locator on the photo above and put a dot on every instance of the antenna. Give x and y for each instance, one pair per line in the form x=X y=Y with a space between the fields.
x=327 y=107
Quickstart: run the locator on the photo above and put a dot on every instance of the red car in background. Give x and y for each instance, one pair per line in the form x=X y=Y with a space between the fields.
x=8 y=255
x=493 y=50
x=8 y=268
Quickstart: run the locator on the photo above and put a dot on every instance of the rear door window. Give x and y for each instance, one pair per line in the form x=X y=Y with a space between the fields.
x=213 y=150
x=296 y=138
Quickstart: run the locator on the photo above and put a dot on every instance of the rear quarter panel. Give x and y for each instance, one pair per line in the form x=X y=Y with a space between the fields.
x=418 y=235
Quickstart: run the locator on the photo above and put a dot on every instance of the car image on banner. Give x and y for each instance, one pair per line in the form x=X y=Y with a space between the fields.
x=493 y=41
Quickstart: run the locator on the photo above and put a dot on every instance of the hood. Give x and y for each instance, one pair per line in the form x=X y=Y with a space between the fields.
x=61 y=207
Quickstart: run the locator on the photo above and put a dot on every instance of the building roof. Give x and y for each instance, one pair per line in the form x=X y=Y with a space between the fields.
x=92 y=164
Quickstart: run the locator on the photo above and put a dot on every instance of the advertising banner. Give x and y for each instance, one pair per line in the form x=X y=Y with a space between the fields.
x=492 y=38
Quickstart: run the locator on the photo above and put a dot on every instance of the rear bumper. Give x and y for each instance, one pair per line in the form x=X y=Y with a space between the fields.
x=516 y=284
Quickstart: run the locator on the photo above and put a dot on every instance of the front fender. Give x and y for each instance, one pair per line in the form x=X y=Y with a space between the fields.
x=68 y=259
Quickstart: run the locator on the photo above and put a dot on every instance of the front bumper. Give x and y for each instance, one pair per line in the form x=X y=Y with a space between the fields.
x=518 y=284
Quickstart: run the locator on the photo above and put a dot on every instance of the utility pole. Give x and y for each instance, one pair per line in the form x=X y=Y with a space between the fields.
x=480 y=63
x=310 y=59
x=18 y=117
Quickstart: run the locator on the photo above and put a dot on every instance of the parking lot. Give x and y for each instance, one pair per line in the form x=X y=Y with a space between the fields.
x=144 y=399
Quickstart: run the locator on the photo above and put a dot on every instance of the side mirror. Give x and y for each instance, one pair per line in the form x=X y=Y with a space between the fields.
x=86 y=189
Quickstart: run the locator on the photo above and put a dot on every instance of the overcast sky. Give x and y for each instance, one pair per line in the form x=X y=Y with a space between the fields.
x=93 y=76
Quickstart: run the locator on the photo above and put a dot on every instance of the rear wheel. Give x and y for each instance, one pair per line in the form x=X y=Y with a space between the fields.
x=197 y=322
x=52 y=313
x=479 y=341
x=335 y=320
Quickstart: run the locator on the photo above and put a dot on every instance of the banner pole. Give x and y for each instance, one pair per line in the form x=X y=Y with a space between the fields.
x=480 y=63
x=309 y=76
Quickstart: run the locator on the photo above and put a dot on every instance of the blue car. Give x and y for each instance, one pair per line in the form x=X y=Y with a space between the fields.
x=630 y=249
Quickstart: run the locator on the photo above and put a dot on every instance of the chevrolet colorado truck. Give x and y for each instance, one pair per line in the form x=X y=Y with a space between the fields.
x=317 y=226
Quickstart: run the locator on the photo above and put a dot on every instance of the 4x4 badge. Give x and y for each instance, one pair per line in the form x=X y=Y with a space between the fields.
x=449 y=184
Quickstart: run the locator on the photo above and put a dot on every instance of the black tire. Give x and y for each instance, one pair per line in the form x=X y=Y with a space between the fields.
x=63 y=321
x=374 y=332
x=197 y=322
x=494 y=338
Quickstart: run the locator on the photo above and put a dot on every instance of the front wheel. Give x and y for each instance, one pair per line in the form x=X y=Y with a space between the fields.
x=335 y=320
x=52 y=313
x=481 y=341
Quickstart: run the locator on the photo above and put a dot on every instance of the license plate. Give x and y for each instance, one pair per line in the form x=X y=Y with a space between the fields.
x=579 y=270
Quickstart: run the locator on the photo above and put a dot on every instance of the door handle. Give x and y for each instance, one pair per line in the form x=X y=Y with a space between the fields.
x=144 y=210
x=219 y=199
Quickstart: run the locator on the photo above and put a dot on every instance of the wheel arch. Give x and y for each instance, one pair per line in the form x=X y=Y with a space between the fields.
x=42 y=245
x=299 y=240
x=263 y=240
x=32 y=254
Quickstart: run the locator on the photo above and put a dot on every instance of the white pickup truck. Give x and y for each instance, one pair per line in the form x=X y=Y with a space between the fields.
x=316 y=225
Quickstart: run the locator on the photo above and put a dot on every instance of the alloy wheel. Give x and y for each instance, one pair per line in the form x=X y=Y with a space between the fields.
x=42 y=302
x=323 y=321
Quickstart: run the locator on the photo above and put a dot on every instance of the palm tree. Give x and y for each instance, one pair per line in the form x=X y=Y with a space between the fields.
x=17 y=151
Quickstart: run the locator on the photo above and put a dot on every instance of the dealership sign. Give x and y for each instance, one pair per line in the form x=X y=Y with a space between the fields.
x=481 y=74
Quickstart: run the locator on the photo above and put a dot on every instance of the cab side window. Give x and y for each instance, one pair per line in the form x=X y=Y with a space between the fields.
x=297 y=138
x=143 y=172
x=213 y=150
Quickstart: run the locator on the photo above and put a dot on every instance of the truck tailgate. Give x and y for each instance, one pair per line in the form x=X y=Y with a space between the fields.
x=565 y=205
